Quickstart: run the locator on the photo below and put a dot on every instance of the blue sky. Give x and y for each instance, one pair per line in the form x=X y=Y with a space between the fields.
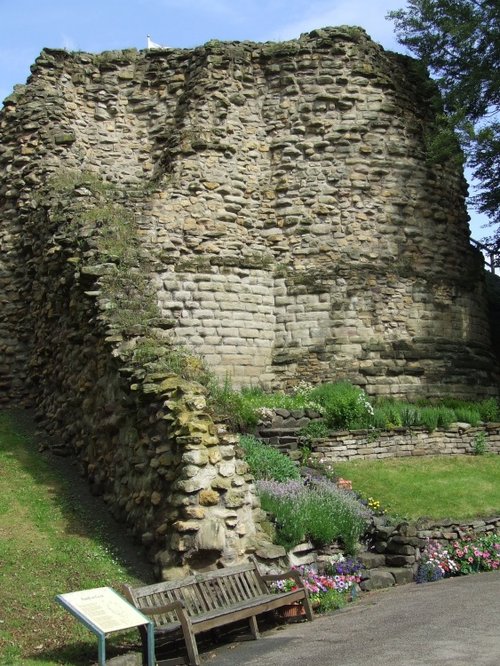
x=27 y=26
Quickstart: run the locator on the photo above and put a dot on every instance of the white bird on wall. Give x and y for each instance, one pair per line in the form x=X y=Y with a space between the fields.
x=154 y=45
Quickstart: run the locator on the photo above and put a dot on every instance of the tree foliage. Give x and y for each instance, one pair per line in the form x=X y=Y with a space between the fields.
x=459 y=41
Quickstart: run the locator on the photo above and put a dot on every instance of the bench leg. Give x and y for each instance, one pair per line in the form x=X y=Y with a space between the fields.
x=190 y=640
x=192 y=650
x=308 y=608
x=254 y=627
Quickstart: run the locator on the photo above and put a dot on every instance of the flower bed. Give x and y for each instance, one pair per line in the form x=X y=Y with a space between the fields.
x=330 y=589
x=471 y=554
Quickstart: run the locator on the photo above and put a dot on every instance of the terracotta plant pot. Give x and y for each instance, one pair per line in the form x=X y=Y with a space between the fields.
x=292 y=611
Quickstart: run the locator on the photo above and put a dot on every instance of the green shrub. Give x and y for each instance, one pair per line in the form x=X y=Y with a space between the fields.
x=266 y=462
x=251 y=400
x=410 y=416
x=437 y=417
x=344 y=405
x=468 y=415
x=488 y=409
x=387 y=415
x=315 y=430
x=284 y=501
x=333 y=514
x=332 y=600
x=480 y=445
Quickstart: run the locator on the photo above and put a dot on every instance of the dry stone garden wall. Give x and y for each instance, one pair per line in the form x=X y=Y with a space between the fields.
x=286 y=225
x=282 y=428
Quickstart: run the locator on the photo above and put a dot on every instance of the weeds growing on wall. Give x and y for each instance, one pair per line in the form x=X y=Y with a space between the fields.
x=96 y=218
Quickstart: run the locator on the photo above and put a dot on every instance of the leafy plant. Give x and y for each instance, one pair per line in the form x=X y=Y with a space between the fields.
x=266 y=462
x=344 y=405
x=285 y=501
x=480 y=445
x=468 y=415
x=437 y=417
x=458 y=41
x=314 y=430
x=332 y=600
x=488 y=409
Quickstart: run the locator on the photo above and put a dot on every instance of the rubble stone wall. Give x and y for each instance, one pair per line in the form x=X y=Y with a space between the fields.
x=298 y=229
x=289 y=226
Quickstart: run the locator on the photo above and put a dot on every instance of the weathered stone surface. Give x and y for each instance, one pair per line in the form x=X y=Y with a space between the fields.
x=270 y=551
x=379 y=579
x=371 y=560
x=209 y=497
x=211 y=536
x=266 y=220
x=402 y=576
x=399 y=560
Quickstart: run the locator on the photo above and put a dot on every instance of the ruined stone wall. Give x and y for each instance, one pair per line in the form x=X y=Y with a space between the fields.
x=289 y=227
x=296 y=226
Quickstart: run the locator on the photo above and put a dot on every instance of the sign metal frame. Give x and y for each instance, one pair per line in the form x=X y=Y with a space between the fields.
x=126 y=617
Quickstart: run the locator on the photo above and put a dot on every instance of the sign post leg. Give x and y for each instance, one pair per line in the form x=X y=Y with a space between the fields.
x=101 y=649
x=151 y=644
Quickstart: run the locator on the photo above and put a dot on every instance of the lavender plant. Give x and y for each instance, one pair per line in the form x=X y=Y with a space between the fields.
x=313 y=509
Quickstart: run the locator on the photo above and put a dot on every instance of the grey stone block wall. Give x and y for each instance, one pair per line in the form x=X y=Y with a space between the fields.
x=295 y=227
x=459 y=439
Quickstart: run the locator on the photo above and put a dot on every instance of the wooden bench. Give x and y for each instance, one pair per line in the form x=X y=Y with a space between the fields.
x=213 y=599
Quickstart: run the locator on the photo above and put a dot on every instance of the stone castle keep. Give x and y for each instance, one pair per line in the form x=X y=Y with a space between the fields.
x=283 y=223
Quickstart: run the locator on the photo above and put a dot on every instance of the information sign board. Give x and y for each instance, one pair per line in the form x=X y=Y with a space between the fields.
x=104 y=611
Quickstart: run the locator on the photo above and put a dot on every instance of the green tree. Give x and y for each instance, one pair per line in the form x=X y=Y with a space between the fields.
x=459 y=41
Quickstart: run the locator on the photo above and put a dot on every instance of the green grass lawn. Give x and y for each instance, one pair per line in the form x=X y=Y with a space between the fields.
x=48 y=545
x=456 y=487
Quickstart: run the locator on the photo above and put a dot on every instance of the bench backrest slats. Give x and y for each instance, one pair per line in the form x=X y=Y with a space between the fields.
x=222 y=591
x=250 y=580
x=242 y=590
x=206 y=597
x=192 y=599
x=234 y=590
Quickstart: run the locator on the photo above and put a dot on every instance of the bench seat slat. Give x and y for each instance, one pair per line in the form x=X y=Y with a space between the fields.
x=260 y=605
x=235 y=612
